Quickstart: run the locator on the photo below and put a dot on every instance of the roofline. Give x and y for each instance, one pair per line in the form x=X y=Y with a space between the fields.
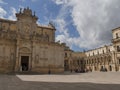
x=115 y=29
x=6 y=20
x=46 y=27
x=99 y=47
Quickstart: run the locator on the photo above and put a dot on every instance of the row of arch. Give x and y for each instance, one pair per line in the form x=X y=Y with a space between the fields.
x=99 y=59
x=100 y=63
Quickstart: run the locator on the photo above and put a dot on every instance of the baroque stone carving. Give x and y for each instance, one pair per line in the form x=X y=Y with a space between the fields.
x=24 y=50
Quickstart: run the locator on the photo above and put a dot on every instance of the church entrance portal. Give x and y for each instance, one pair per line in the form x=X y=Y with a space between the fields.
x=24 y=63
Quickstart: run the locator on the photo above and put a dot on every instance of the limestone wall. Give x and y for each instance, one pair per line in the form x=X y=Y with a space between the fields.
x=7 y=56
x=48 y=57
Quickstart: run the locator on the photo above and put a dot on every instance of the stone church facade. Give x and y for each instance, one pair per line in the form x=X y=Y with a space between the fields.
x=27 y=46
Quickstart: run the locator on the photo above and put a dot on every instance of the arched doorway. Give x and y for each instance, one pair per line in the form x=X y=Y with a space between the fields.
x=102 y=68
x=25 y=59
x=95 y=68
x=110 y=68
x=24 y=63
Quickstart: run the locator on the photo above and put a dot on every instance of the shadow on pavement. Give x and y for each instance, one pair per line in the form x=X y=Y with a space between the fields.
x=12 y=82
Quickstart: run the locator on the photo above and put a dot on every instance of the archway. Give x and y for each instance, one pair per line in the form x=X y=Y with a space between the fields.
x=25 y=59
x=110 y=68
x=24 y=63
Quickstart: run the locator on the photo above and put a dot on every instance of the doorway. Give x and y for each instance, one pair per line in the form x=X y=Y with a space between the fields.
x=110 y=67
x=24 y=63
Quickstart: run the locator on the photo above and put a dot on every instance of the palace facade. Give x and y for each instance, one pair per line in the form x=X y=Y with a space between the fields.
x=106 y=58
x=27 y=46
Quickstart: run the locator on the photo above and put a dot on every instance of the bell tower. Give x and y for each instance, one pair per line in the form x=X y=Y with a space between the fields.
x=26 y=21
x=26 y=14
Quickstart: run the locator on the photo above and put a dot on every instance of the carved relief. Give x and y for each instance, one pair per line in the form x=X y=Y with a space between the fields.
x=24 y=50
x=5 y=26
x=13 y=27
x=27 y=28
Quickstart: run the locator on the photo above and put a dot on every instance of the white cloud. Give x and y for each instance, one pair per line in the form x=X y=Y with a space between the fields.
x=2 y=12
x=93 y=21
x=20 y=6
x=2 y=2
x=58 y=2
x=12 y=13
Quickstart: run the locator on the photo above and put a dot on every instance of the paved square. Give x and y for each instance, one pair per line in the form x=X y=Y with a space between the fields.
x=74 y=81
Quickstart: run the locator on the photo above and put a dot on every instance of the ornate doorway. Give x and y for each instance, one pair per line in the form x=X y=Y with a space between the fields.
x=24 y=63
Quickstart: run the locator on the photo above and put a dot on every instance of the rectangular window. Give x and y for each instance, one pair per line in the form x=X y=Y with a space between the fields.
x=65 y=54
x=118 y=48
x=103 y=51
x=116 y=35
x=78 y=62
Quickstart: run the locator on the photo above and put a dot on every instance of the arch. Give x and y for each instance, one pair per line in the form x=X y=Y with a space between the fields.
x=95 y=68
x=24 y=50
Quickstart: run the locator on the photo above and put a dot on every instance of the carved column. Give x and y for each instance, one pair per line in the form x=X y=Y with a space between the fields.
x=33 y=54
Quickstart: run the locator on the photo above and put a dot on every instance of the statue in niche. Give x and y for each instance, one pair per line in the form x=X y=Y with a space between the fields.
x=33 y=35
x=11 y=56
x=36 y=59
x=41 y=37
x=27 y=28
x=46 y=37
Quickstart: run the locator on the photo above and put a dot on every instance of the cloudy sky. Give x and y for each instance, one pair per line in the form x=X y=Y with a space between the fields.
x=82 y=24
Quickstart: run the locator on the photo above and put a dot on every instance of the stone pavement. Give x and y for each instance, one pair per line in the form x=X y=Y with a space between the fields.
x=74 y=81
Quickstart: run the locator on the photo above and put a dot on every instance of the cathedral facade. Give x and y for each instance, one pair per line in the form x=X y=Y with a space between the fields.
x=27 y=46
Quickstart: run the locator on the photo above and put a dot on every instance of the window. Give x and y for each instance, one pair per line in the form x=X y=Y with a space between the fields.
x=103 y=51
x=116 y=35
x=78 y=62
x=118 y=48
x=65 y=54
x=81 y=62
x=92 y=61
x=87 y=61
x=98 y=52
